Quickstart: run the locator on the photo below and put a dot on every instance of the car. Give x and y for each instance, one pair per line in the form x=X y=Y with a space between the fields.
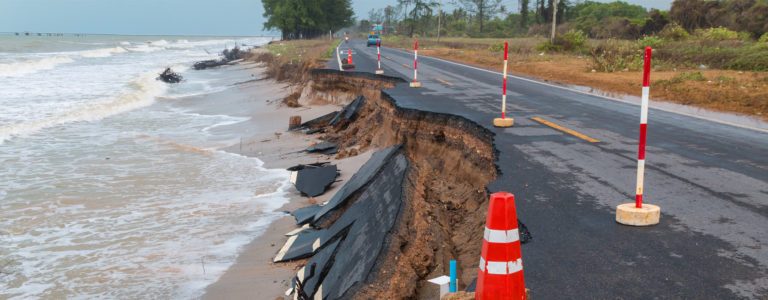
x=373 y=40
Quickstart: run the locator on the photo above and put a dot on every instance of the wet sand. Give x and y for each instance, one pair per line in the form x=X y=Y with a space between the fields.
x=265 y=136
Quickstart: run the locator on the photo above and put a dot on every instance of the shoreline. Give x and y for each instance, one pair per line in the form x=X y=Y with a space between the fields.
x=265 y=137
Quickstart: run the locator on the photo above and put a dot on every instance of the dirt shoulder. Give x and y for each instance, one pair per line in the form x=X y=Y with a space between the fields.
x=743 y=92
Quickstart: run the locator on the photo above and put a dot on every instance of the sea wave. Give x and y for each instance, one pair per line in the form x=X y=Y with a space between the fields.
x=104 y=52
x=159 y=43
x=142 y=92
x=33 y=65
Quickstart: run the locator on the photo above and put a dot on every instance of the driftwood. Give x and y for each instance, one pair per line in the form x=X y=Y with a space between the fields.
x=169 y=76
x=227 y=56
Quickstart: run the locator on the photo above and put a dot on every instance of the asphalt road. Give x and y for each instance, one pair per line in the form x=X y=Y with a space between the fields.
x=710 y=179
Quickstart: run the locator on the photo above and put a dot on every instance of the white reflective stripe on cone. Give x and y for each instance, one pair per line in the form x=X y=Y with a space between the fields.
x=501 y=267
x=515 y=266
x=501 y=236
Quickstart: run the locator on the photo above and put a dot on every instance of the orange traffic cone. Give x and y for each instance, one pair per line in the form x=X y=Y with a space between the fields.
x=349 y=57
x=501 y=261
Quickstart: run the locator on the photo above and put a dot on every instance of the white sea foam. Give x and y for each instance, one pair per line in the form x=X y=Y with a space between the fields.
x=159 y=43
x=105 y=52
x=144 y=48
x=32 y=65
x=142 y=92
x=105 y=213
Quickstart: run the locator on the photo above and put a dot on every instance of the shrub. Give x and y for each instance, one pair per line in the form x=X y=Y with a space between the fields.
x=497 y=47
x=674 y=32
x=572 y=40
x=745 y=36
x=692 y=76
x=548 y=46
x=717 y=34
x=652 y=41
x=613 y=55
x=764 y=38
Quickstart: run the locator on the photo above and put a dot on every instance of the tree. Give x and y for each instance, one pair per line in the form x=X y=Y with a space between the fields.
x=307 y=18
x=421 y=8
x=524 y=13
x=483 y=9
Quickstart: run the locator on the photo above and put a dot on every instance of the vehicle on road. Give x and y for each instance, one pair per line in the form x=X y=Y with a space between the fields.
x=373 y=40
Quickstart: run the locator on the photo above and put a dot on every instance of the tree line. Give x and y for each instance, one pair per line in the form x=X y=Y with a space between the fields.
x=491 y=18
x=297 y=19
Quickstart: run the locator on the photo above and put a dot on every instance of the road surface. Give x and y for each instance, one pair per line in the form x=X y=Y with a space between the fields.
x=710 y=179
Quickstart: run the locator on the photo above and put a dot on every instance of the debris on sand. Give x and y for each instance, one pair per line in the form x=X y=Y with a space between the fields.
x=342 y=254
x=169 y=76
x=324 y=148
x=227 y=57
x=211 y=63
x=317 y=124
x=314 y=179
x=349 y=113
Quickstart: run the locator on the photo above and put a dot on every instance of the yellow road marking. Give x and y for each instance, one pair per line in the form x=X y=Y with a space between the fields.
x=566 y=130
x=444 y=82
x=407 y=66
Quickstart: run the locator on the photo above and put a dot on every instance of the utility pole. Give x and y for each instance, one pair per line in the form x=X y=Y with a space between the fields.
x=554 y=21
x=439 y=19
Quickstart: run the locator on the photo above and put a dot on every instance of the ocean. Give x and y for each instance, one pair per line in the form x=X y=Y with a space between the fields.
x=108 y=187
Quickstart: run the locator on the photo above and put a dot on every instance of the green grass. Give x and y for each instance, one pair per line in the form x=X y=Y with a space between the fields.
x=328 y=54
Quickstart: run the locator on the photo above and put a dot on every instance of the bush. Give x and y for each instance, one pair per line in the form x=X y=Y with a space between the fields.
x=548 y=46
x=745 y=36
x=613 y=55
x=717 y=34
x=650 y=41
x=764 y=38
x=674 y=32
x=572 y=40
x=735 y=55
x=498 y=47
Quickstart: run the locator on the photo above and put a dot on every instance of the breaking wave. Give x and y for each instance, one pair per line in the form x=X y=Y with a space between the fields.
x=32 y=66
x=142 y=93
x=105 y=52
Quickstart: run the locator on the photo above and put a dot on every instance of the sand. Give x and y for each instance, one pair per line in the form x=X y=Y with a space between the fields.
x=265 y=136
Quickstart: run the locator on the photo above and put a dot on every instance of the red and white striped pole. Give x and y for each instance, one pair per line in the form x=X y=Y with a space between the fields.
x=415 y=83
x=504 y=121
x=643 y=128
x=379 y=70
x=639 y=214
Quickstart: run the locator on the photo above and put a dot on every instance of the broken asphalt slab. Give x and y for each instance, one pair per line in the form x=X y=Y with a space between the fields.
x=360 y=232
x=324 y=147
x=358 y=180
x=313 y=181
x=349 y=113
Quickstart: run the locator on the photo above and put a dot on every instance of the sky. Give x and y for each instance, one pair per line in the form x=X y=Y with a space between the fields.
x=165 y=17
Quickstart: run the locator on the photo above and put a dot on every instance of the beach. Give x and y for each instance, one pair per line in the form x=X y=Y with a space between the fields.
x=117 y=185
x=267 y=138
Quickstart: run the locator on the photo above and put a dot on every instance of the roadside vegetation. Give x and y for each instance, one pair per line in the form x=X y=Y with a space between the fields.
x=712 y=54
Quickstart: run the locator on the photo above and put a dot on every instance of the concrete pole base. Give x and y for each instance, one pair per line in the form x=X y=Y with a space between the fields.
x=506 y=122
x=628 y=214
x=415 y=84
x=379 y=72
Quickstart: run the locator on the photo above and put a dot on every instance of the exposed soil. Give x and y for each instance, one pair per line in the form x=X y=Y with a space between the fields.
x=452 y=161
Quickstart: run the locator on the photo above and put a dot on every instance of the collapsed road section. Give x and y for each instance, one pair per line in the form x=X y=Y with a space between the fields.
x=442 y=205
x=344 y=253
